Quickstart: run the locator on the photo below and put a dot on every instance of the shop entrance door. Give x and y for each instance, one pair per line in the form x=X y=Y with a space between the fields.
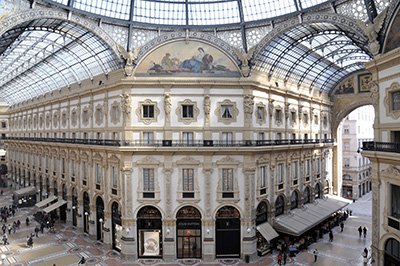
x=189 y=239
x=227 y=226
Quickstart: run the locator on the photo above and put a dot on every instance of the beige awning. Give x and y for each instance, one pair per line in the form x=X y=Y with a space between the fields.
x=267 y=231
x=54 y=206
x=298 y=221
x=26 y=191
x=44 y=202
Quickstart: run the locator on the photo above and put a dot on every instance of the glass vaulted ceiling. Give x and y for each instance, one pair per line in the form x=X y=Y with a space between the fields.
x=317 y=55
x=191 y=12
x=47 y=54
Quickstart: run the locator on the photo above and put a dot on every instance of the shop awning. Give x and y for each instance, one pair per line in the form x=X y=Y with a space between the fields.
x=54 y=206
x=44 y=202
x=267 y=231
x=26 y=191
x=298 y=221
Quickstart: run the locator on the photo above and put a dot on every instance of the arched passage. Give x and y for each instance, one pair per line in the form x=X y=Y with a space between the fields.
x=279 y=205
x=149 y=230
x=392 y=252
x=116 y=226
x=188 y=233
x=86 y=212
x=306 y=195
x=294 y=200
x=74 y=207
x=99 y=218
x=227 y=227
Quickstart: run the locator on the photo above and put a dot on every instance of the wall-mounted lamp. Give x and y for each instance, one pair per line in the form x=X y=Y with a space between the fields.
x=248 y=230
x=73 y=207
x=128 y=230
x=168 y=231
x=101 y=220
x=208 y=231
x=86 y=213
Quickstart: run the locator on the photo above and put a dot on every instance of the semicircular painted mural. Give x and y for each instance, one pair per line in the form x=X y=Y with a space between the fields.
x=190 y=58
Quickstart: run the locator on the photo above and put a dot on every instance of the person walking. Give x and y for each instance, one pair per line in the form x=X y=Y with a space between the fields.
x=280 y=258
x=366 y=252
x=360 y=230
x=315 y=252
x=284 y=258
x=365 y=231
x=9 y=229
x=330 y=236
x=82 y=261
x=5 y=239
x=37 y=231
x=341 y=226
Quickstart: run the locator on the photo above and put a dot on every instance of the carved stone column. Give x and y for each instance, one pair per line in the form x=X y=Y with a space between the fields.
x=270 y=114
x=128 y=240
x=126 y=107
x=168 y=191
x=167 y=112
x=207 y=171
x=207 y=108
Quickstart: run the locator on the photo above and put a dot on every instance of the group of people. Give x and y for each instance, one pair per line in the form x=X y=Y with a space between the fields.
x=7 y=212
x=362 y=231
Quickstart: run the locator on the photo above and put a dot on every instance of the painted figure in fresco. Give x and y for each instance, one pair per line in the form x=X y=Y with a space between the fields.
x=198 y=62
x=167 y=63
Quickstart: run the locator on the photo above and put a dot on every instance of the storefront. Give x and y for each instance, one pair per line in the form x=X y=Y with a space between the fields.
x=392 y=252
x=99 y=218
x=86 y=212
x=149 y=232
x=74 y=207
x=116 y=224
x=227 y=226
x=188 y=233
x=63 y=208
x=264 y=233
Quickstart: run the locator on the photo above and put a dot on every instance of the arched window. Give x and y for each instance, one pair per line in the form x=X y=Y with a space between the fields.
x=279 y=205
x=262 y=213
x=306 y=196
x=294 y=200
x=392 y=252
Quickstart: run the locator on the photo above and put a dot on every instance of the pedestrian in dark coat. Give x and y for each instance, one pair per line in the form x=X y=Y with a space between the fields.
x=360 y=230
x=366 y=252
x=330 y=236
x=315 y=252
x=365 y=231
x=341 y=226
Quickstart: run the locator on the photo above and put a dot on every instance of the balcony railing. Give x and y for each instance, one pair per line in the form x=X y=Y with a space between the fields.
x=177 y=143
x=381 y=146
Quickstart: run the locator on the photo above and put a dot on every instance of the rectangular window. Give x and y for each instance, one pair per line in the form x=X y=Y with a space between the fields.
x=187 y=137
x=395 y=202
x=305 y=118
x=188 y=180
x=98 y=173
x=227 y=180
x=295 y=170
x=114 y=177
x=346 y=130
x=308 y=167
x=84 y=170
x=54 y=164
x=148 y=111
x=280 y=173
x=226 y=111
x=262 y=177
x=260 y=113
x=278 y=115
x=293 y=116
x=318 y=165
x=63 y=165
x=148 y=137
x=316 y=119
x=187 y=111
x=261 y=136
x=395 y=100
x=72 y=168
x=148 y=179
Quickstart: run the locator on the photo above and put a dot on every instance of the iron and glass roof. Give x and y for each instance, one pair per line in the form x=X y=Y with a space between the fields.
x=317 y=55
x=47 y=54
x=191 y=12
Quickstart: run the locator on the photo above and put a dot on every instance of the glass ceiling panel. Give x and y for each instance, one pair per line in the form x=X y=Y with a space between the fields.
x=109 y=8
x=262 y=9
x=159 y=12
x=47 y=55
x=217 y=13
x=310 y=3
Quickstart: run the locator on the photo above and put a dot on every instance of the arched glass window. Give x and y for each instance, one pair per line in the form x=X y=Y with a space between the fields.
x=392 y=252
x=294 y=200
x=262 y=213
x=306 y=195
x=279 y=206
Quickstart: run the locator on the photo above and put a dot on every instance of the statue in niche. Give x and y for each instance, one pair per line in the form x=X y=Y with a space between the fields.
x=167 y=105
x=248 y=104
x=245 y=59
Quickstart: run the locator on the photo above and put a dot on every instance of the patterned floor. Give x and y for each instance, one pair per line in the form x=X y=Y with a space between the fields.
x=68 y=245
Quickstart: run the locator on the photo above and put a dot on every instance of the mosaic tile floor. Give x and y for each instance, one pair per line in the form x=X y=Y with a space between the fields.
x=68 y=245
